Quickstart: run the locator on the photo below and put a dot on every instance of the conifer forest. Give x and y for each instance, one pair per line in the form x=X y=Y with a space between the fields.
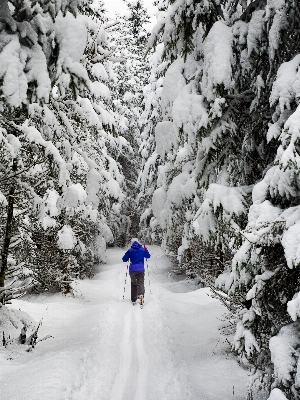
x=185 y=135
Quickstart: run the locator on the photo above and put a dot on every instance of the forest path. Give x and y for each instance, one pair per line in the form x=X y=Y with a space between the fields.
x=106 y=349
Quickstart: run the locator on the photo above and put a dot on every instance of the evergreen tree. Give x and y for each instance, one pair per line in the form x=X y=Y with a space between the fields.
x=59 y=179
x=147 y=178
x=265 y=267
x=128 y=40
x=226 y=192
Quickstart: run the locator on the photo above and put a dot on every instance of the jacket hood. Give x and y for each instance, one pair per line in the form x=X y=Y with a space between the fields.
x=136 y=245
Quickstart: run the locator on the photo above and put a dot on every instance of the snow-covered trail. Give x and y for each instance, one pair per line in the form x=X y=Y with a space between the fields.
x=106 y=349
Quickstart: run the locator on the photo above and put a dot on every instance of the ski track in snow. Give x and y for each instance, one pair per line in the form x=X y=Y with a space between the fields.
x=106 y=349
x=125 y=362
x=142 y=363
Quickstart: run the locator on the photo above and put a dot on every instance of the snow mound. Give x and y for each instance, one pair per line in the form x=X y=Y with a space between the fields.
x=12 y=321
x=277 y=394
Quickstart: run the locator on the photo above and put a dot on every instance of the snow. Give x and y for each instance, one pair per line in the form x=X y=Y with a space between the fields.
x=37 y=72
x=293 y=307
x=99 y=72
x=261 y=281
x=255 y=30
x=104 y=348
x=12 y=62
x=229 y=199
x=112 y=187
x=189 y=112
x=291 y=244
x=34 y=136
x=51 y=202
x=100 y=90
x=277 y=394
x=260 y=191
x=263 y=217
x=274 y=33
x=3 y=200
x=263 y=213
x=47 y=222
x=205 y=221
x=66 y=238
x=93 y=184
x=217 y=60
x=49 y=208
x=287 y=83
x=15 y=145
x=105 y=117
x=90 y=113
x=283 y=349
x=247 y=337
x=173 y=84
x=21 y=65
x=165 y=138
x=182 y=187
x=74 y=195
x=71 y=34
x=288 y=153
x=159 y=199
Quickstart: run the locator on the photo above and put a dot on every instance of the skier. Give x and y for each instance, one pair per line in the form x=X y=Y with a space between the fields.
x=136 y=255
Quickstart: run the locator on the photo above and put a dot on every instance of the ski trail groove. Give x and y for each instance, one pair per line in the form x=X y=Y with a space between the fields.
x=141 y=391
x=126 y=355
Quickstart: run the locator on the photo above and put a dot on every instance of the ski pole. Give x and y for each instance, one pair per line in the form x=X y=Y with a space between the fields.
x=148 y=275
x=125 y=281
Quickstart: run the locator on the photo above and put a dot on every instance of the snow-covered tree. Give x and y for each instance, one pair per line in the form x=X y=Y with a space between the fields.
x=188 y=138
x=59 y=179
x=128 y=40
x=150 y=117
x=265 y=269
x=228 y=139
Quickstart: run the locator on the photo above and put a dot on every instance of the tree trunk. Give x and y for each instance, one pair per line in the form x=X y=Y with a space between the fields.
x=8 y=230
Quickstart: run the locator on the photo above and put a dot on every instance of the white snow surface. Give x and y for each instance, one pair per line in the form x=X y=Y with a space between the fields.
x=105 y=348
x=277 y=394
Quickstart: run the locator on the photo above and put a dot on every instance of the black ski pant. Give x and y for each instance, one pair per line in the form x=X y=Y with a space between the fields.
x=137 y=284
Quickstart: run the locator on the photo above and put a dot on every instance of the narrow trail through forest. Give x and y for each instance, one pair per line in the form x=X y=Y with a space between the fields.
x=106 y=349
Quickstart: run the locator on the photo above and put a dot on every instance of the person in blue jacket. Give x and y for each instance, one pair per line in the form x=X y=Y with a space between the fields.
x=136 y=254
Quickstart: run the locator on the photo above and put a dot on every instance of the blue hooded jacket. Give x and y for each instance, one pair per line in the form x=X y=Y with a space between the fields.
x=136 y=254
